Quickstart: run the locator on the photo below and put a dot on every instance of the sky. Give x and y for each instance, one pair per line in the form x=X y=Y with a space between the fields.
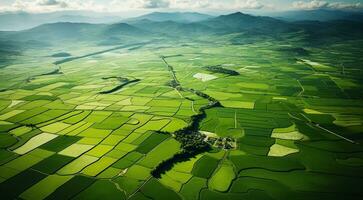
x=115 y=6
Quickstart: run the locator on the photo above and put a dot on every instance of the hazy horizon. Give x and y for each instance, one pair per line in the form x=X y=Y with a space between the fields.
x=17 y=20
x=130 y=8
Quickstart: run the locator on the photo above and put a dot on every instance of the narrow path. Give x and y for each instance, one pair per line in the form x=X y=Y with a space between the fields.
x=220 y=163
x=312 y=124
x=171 y=69
x=180 y=94
x=337 y=135
x=302 y=89
x=139 y=188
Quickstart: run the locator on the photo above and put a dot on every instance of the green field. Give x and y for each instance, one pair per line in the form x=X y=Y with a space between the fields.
x=296 y=119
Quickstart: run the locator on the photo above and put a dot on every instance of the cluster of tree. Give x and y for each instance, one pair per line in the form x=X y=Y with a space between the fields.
x=174 y=84
x=192 y=144
x=62 y=54
x=171 y=69
x=56 y=71
x=182 y=156
x=191 y=140
x=120 y=86
x=212 y=101
x=219 y=69
x=225 y=143
x=172 y=56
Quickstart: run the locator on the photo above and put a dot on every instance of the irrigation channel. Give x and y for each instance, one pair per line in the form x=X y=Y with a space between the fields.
x=192 y=141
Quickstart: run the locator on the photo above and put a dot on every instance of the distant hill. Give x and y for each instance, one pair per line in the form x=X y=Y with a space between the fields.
x=319 y=15
x=225 y=24
x=15 y=21
x=238 y=22
x=241 y=28
x=60 y=31
x=123 y=29
x=63 y=32
x=182 y=17
x=319 y=32
x=172 y=28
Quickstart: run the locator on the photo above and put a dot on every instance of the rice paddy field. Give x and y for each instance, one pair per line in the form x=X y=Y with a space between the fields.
x=100 y=126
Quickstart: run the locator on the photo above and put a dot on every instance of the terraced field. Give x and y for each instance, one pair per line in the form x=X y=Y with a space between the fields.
x=297 y=123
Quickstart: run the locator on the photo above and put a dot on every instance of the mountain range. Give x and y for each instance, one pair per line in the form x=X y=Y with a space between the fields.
x=15 y=21
x=197 y=26
x=318 y=15
x=182 y=17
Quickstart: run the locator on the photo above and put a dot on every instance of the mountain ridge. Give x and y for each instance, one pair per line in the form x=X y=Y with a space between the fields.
x=234 y=23
x=181 y=17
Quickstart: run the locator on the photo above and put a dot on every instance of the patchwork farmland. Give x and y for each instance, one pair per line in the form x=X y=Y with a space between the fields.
x=183 y=119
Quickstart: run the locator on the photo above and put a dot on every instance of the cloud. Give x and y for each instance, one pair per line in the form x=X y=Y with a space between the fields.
x=339 y=5
x=190 y=4
x=155 y=4
x=117 y=5
x=61 y=4
x=36 y=6
x=318 y=4
x=126 y=5
x=49 y=2
x=310 y=5
x=216 y=5
x=198 y=5
x=249 y=4
x=187 y=4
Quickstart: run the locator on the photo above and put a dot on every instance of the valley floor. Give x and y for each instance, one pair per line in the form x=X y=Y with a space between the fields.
x=282 y=125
